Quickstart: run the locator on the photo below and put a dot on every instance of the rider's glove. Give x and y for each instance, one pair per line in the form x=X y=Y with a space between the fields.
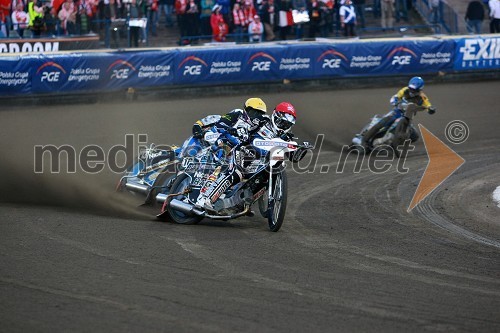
x=287 y=136
x=431 y=110
x=197 y=131
x=394 y=100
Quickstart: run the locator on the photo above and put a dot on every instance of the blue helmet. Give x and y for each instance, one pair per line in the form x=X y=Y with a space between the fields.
x=416 y=84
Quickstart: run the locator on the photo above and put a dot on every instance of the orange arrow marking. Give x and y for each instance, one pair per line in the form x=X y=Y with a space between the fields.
x=443 y=161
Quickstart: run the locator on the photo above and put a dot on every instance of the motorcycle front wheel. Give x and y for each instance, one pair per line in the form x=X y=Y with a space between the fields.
x=277 y=204
x=180 y=184
x=400 y=135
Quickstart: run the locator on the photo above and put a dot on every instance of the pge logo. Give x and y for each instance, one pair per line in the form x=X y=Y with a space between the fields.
x=120 y=69
x=261 y=66
x=192 y=69
x=51 y=72
x=120 y=73
x=401 y=59
x=331 y=63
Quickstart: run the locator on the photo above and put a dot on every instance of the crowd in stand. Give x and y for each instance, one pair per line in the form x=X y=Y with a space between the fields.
x=242 y=20
x=34 y=18
x=257 y=20
x=218 y=20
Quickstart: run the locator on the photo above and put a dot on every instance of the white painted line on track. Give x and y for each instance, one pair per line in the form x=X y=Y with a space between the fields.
x=496 y=196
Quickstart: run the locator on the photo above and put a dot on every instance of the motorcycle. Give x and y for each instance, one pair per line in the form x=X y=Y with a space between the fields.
x=154 y=169
x=393 y=135
x=264 y=182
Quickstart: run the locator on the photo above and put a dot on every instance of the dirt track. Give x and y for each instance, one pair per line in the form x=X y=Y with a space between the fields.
x=348 y=258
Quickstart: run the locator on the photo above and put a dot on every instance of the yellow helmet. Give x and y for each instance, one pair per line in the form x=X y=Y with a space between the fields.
x=256 y=104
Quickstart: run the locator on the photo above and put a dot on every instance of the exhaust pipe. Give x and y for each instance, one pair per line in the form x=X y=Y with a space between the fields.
x=137 y=187
x=161 y=197
x=185 y=208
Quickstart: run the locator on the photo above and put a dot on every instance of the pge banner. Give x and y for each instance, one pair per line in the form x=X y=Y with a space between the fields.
x=15 y=76
x=68 y=72
x=233 y=64
x=138 y=69
x=97 y=71
x=477 y=53
x=382 y=58
x=237 y=64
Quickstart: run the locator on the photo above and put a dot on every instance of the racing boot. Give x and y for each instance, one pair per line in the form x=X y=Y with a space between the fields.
x=367 y=139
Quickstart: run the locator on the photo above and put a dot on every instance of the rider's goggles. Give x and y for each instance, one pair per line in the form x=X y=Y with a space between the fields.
x=414 y=92
x=284 y=121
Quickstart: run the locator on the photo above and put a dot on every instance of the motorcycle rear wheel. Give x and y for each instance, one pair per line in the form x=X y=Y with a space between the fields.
x=160 y=185
x=179 y=185
x=277 y=205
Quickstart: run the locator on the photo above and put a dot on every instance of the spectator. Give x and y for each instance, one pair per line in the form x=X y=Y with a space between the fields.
x=36 y=22
x=111 y=15
x=387 y=11
x=217 y=23
x=221 y=30
x=180 y=11
x=82 y=19
x=348 y=18
x=249 y=10
x=50 y=20
x=494 y=15
x=474 y=16
x=135 y=13
x=314 y=10
x=434 y=14
x=360 y=11
x=336 y=15
x=192 y=17
x=206 y=12
x=163 y=8
x=268 y=18
x=225 y=9
x=256 y=30
x=402 y=10
x=67 y=17
x=285 y=20
x=153 y=16
x=240 y=22
x=327 y=17
x=20 y=19
x=5 y=17
x=301 y=6
x=376 y=8
x=143 y=4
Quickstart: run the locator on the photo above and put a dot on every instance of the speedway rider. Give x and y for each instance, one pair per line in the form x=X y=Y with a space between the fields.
x=411 y=94
x=254 y=107
x=279 y=125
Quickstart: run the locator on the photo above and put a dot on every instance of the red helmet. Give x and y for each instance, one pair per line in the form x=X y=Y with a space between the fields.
x=286 y=107
x=284 y=116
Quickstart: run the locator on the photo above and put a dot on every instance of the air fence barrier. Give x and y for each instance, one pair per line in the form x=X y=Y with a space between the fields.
x=107 y=71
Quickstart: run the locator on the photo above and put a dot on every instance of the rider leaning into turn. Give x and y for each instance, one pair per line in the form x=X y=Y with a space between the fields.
x=278 y=125
x=411 y=94
x=254 y=107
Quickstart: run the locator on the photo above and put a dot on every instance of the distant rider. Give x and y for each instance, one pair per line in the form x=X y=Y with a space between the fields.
x=411 y=94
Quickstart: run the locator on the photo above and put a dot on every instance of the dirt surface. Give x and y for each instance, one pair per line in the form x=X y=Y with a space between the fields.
x=74 y=256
